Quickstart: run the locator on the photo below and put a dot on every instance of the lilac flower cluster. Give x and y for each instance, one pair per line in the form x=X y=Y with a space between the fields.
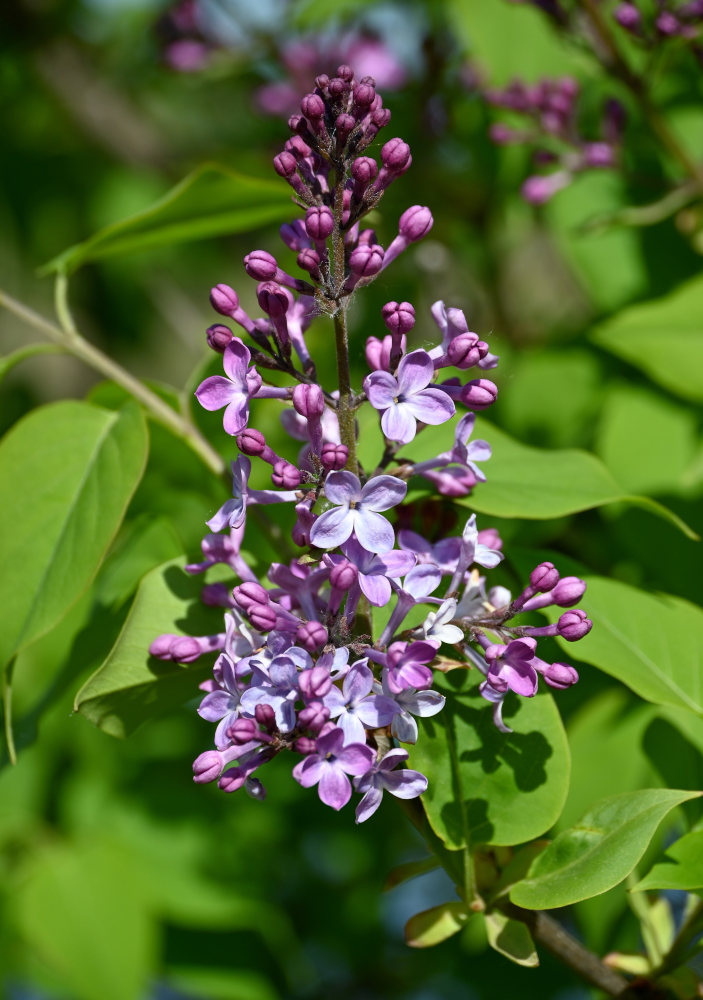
x=664 y=19
x=549 y=122
x=297 y=668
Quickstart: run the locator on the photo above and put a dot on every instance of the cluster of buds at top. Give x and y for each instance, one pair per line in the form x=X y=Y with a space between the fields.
x=298 y=669
x=549 y=124
x=665 y=20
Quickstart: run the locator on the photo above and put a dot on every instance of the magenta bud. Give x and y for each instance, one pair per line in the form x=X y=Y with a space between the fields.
x=599 y=154
x=628 y=16
x=309 y=260
x=185 y=649
x=491 y=538
x=364 y=94
x=574 y=625
x=249 y=594
x=296 y=123
x=314 y=683
x=266 y=717
x=560 y=675
x=207 y=767
x=334 y=456
x=544 y=577
x=415 y=222
x=309 y=401
x=312 y=106
x=374 y=353
x=344 y=125
x=251 y=442
x=321 y=81
x=366 y=261
x=463 y=351
x=345 y=72
x=161 y=646
x=272 y=299
x=224 y=300
x=285 y=475
x=479 y=393
x=216 y=595
x=243 y=731
x=319 y=222
x=568 y=591
x=261 y=265
x=395 y=155
x=337 y=87
x=363 y=170
x=399 y=317
x=311 y=636
x=262 y=617
x=285 y=164
x=344 y=575
x=305 y=745
x=382 y=117
x=314 y=716
x=667 y=24
x=218 y=336
x=298 y=147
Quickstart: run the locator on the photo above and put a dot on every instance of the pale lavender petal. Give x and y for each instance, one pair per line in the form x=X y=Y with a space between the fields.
x=423 y=703
x=394 y=564
x=352 y=727
x=357 y=683
x=369 y=804
x=222 y=741
x=236 y=416
x=334 y=527
x=410 y=675
x=342 y=487
x=356 y=758
x=373 y=531
x=381 y=389
x=231 y=513
x=398 y=423
x=376 y=711
x=404 y=728
x=235 y=360
x=405 y=784
x=215 y=705
x=332 y=742
x=382 y=493
x=309 y=772
x=392 y=758
x=478 y=451
x=376 y=589
x=215 y=392
x=487 y=557
x=432 y=406
x=415 y=371
x=334 y=788
x=422 y=581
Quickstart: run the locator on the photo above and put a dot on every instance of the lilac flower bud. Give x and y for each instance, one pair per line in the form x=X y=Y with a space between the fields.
x=374 y=354
x=343 y=575
x=364 y=169
x=296 y=123
x=395 y=156
x=599 y=154
x=305 y=745
x=344 y=125
x=251 y=442
x=560 y=675
x=364 y=94
x=334 y=456
x=303 y=523
x=337 y=87
x=380 y=118
x=568 y=591
x=249 y=594
x=266 y=717
x=628 y=16
x=207 y=767
x=667 y=24
x=161 y=646
x=218 y=336
x=261 y=265
x=309 y=401
x=314 y=716
x=315 y=683
x=285 y=165
x=309 y=260
x=399 y=317
x=479 y=394
x=345 y=72
x=313 y=107
x=224 y=300
x=464 y=351
x=367 y=238
x=574 y=625
x=366 y=261
x=185 y=649
x=311 y=636
x=298 y=147
x=544 y=577
x=216 y=595
x=294 y=235
x=415 y=222
x=285 y=475
x=262 y=617
x=243 y=731
x=319 y=222
x=254 y=789
x=272 y=299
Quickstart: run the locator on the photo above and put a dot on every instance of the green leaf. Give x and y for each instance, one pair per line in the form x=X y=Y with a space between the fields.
x=433 y=926
x=220 y=984
x=486 y=786
x=663 y=338
x=8 y=362
x=82 y=911
x=131 y=687
x=684 y=871
x=511 y=938
x=67 y=473
x=211 y=201
x=599 y=851
x=411 y=869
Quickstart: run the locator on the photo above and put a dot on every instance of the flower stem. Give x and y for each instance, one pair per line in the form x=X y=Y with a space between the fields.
x=345 y=408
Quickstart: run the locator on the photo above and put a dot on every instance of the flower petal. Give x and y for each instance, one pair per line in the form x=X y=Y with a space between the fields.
x=398 y=423
x=382 y=493
x=236 y=416
x=415 y=371
x=369 y=804
x=405 y=784
x=373 y=531
x=342 y=487
x=334 y=527
x=381 y=389
x=376 y=589
x=215 y=392
x=235 y=361
x=432 y=406
x=334 y=788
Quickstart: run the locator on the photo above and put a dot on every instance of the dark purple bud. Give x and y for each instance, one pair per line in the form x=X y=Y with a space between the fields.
x=311 y=636
x=298 y=147
x=185 y=649
x=399 y=317
x=251 y=442
x=314 y=716
x=345 y=72
x=344 y=575
x=344 y=125
x=463 y=351
x=363 y=170
x=395 y=155
x=309 y=260
x=544 y=577
x=305 y=745
x=599 y=154
x=261 y=265
x=218 y=336
x=334 y=456
x=285 y=164
x=314 y=683
x=254 y=789
x=415 y=222
x=294 y=235
x=262 y=617
x=272 y=299
x=266 y=717
x=337 y=87
x=479 y=393
x=574 y=625
x=560 y=675
x=380 y=118
x=313 y=107
x=322 y=81
x=207 y=767
x=568 y=591
x=366 y=261
x=216 y=595
x=628 y=16
x=364 y=94
x=249 y=594
x=319 y=222
x=296 y=123
x=243 y=731
x=285 y=475
x=224 y=300
x=161 y=646
x=309 y=401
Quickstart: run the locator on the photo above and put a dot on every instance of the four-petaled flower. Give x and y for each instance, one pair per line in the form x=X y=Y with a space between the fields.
x=406 y=399
x=233 y=392
x=329 y=767
x=357 y=510
x=404 y=784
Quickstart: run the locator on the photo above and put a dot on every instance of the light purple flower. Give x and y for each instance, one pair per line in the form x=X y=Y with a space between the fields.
x=277 y=688
x=409 y=702
x=404 y=784
x=437 y=626
x=222 y=705
x=234 y=391
x=355 y=707
x=406 y=399
x=233 y=512
x=407 y=665
x=444 y=554
x=511 y=666
x=329 y=767
x=375 y=570
x=356 y=510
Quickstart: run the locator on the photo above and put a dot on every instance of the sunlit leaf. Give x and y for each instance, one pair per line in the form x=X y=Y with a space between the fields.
x=511 y=938
x=683 y=871
x=433 y=926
